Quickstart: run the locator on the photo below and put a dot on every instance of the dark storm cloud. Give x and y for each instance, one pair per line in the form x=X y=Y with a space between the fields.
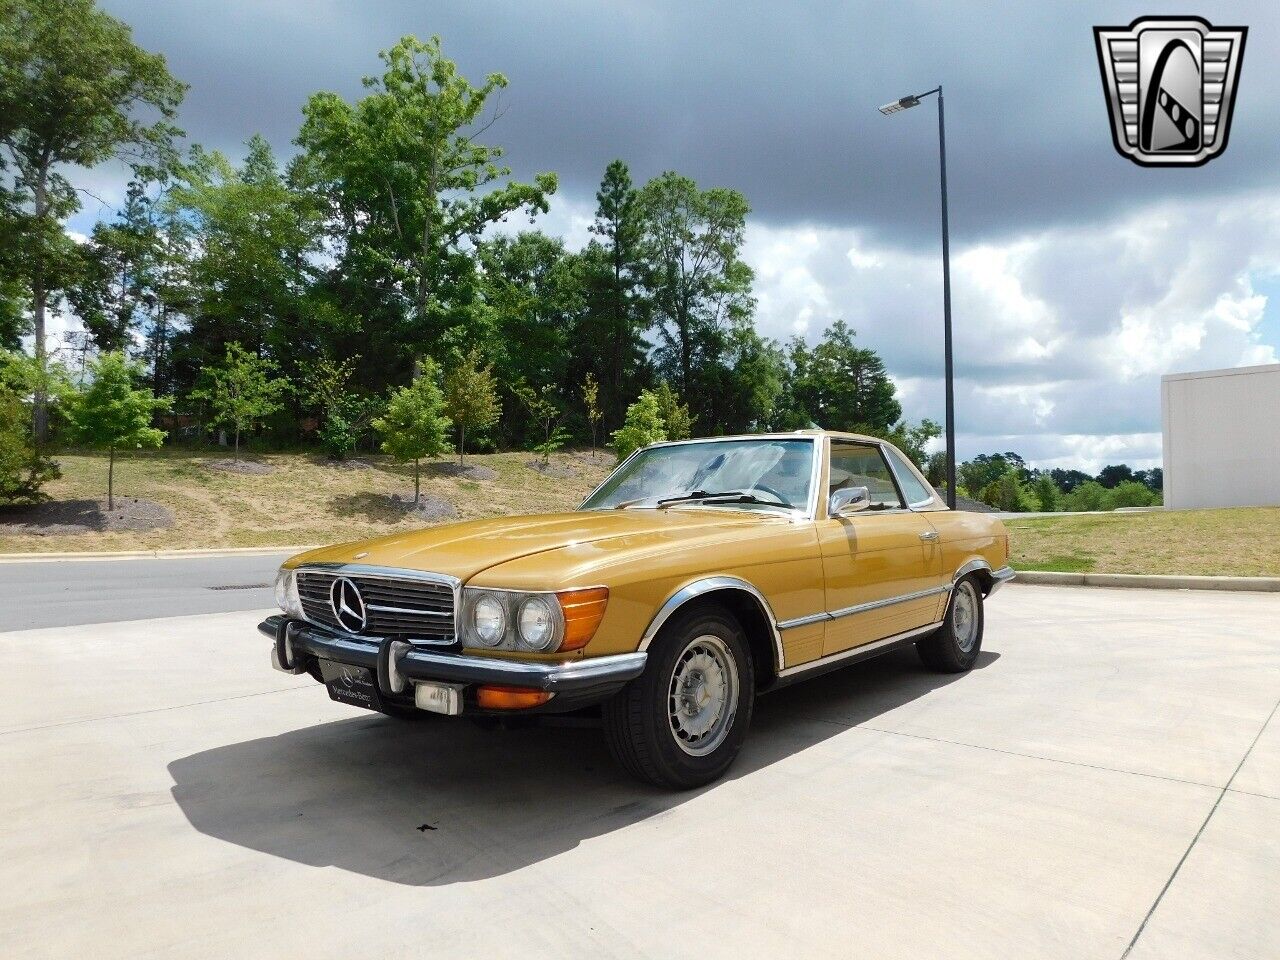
x=775 y=99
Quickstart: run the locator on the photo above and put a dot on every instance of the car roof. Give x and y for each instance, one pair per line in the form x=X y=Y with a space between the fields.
x=810 y=433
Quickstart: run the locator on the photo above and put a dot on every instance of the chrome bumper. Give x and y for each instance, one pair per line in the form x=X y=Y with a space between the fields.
x=1000 y=577
x=591 y=676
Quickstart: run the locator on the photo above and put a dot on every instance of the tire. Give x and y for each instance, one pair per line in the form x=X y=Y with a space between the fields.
x=685 y=742
x=954 y=647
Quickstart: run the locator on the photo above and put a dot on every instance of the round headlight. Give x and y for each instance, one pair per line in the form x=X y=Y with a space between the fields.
x=536 y=623
x=489 y=620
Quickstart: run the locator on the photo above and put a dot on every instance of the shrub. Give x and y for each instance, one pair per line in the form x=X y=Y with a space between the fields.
x=23 y=471
x=643 y=425
x=1090 y=495
x=1129 y=493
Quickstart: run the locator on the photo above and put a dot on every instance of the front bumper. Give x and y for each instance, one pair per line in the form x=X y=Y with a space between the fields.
x=575 y=683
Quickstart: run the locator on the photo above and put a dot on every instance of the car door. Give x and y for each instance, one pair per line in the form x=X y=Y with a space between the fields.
x=882 y=566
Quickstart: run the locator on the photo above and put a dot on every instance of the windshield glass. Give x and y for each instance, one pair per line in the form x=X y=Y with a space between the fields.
x=743 y=474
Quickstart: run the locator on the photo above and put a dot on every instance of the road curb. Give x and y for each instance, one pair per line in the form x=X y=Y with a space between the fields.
x=151 y=554
x=1148 y=581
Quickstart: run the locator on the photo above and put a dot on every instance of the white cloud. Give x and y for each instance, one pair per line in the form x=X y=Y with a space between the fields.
x=1061 y=336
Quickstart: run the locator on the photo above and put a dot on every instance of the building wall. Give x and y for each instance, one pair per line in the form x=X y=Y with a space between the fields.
x=1222 y=437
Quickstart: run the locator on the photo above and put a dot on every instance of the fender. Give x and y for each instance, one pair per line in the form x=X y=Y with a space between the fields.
x=705 y=585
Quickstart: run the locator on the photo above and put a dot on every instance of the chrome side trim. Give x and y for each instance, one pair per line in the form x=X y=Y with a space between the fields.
x=864 y=607
x=858 y=651
x=708 y=584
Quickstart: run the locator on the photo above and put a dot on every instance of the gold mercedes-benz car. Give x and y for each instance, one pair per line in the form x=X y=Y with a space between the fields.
x=699 y=574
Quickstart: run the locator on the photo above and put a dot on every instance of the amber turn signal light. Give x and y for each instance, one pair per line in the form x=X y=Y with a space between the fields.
x=583 y=611
x=510 y=698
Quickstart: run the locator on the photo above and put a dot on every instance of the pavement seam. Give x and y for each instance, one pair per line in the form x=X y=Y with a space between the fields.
x=1191 y=846
x=142 y=713
x=1017 y=753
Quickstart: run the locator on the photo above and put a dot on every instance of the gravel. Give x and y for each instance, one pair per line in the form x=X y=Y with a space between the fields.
x=254 y=467
x=61 y=517
x=428 y=508
x=464 y=472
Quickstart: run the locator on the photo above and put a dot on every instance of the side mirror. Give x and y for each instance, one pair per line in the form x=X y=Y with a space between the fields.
x=847 y=501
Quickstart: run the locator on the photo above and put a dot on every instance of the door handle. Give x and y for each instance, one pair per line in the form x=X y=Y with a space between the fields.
x=929 y=535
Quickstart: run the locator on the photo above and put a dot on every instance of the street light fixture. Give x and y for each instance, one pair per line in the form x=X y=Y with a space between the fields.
x=897 y=106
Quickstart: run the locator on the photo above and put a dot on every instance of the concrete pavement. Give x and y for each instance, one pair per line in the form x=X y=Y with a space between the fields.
x=1111 y=771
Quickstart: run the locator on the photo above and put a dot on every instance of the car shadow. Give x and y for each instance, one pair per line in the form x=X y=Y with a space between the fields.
x=443 y=801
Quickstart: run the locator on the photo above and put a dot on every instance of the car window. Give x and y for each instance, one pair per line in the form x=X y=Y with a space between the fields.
x=861 y=465
x=915 y=491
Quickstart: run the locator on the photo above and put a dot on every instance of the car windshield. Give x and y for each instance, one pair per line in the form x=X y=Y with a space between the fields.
x=764 y=474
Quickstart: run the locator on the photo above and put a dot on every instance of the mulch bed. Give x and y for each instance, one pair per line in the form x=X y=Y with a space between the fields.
x=254 y=467
x=469 y=471
x=551 y=469
x=62 y=517
x=428 y=508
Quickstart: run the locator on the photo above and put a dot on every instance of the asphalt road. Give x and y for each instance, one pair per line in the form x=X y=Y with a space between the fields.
x=1105 y=784
x=63 y=593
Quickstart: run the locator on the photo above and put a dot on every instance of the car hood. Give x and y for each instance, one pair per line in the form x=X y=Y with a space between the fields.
x=465 y=549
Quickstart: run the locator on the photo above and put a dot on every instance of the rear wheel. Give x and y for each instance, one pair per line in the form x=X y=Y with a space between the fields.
x=681 y=723
x=954 y=647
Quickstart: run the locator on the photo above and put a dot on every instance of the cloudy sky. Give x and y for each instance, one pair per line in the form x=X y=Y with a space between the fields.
x=1078 y=277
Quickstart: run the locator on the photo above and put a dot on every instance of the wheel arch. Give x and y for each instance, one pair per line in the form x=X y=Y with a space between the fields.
x=745 y=602
x=979 y=568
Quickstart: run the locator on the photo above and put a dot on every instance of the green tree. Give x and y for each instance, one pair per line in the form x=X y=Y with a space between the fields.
x=408 y=186
x=111 y=414
x=23 y=469
x=413 y=426
x=977 y=474
x=843 y=386
x=697 y=282
x=545 y=410
x=471 y=397
x=591 y=406
x=610 y=335
x=1046 y=493
x=1129 y=493
x=911 y=439
x=1089 y=495
x=75 y=91
x=676 y=422
x=1115 y=474
x=243 y=390
x=643 y=425
x=1008 y=492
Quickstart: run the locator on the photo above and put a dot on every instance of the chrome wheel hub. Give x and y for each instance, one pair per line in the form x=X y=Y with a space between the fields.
x=703 y=695
x=964 y=616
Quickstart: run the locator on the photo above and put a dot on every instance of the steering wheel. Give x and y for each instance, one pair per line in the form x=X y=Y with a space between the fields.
x=772 y=492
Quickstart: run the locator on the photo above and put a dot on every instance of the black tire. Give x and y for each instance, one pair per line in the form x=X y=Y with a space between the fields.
x=945 y=649
x=639 y=722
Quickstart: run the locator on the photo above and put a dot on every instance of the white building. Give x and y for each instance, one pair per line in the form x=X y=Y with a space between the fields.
x=1222 y=437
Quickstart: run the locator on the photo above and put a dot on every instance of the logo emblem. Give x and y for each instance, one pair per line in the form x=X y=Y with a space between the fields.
x=348 y=605
x=1170 y=84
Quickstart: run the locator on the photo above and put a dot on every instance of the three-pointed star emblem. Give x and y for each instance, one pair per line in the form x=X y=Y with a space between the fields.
x=348 y=605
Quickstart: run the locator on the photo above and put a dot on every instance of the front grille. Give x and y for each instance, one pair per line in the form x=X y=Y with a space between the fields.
x=395 y=606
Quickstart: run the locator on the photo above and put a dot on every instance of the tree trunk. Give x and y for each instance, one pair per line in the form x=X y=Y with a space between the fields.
x=236 y=457
x=462 y=444
x=39 y=303
x=111 y=479
x=416 y=482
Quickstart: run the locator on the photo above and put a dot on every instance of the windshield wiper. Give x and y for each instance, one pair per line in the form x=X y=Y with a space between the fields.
x=723 y=496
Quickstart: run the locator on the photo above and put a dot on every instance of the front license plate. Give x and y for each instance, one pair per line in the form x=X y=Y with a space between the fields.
x=353 y=685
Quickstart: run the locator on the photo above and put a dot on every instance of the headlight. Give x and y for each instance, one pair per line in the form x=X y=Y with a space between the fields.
x=537 y=626
x=489 y=620
x=287 y=598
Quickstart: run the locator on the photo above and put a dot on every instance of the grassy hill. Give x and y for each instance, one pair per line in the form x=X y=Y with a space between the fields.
x=296 y=499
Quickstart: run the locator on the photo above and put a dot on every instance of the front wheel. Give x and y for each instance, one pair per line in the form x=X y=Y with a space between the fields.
x=954 y=647
x=681 y=723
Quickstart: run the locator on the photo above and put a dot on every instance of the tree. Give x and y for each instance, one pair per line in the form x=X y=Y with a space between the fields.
x=977 y=474
x=1153 y=478
x=843 y=386
x=413 y=426
x=676 y=422
x=545 y=411
x=111 y=414
x=1089 y=495
x=1113 y=475
x=75 y=91
x=1008 y=492
x=610 y=336
x=242 y=390
x=23 y=469
x=1129 y=493
x=1068 y=480
x=643 y=425
x=471 y=398
x=911 y=439
x=1046 y=492
x=408 y=187
x=698 y=283
x=591 y=403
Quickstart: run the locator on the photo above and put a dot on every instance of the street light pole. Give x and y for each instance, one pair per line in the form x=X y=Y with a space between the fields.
x=887 y=109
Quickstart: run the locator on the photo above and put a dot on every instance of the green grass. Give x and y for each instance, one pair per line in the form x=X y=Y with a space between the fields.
x=1242 y=541
x=305 y=499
